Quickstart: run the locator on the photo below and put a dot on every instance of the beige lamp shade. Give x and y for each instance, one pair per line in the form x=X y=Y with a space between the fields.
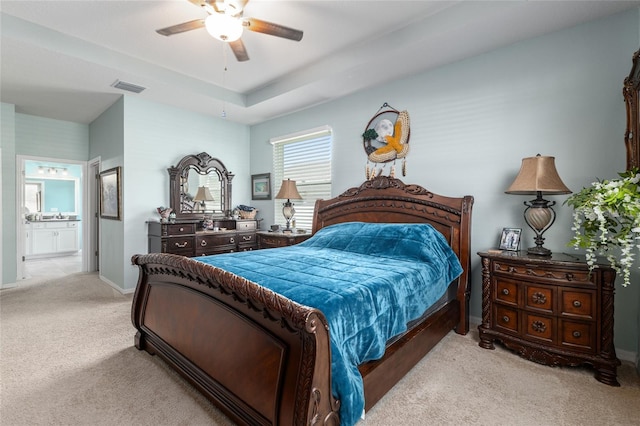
x=538 y=174
x=289 y=191
x=203 y=194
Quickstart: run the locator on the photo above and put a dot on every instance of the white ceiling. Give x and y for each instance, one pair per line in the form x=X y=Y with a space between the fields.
x=60 y=58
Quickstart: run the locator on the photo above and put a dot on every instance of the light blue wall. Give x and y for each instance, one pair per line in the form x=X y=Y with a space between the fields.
x=46 y=137
x=156 y=138
x=106 y=135
x=473 y=121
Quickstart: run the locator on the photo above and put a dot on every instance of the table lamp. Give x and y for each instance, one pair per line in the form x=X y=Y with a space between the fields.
x=538 y=176
x=289 y=192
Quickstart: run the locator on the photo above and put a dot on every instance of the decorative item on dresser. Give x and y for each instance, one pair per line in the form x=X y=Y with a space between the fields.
x=631 y=93
x=551 y=310
x=267 y=239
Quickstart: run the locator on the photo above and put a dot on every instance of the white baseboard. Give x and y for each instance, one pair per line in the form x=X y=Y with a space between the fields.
x=115 y=286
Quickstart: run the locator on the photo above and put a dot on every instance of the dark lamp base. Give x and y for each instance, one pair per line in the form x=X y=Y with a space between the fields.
x=539 y=251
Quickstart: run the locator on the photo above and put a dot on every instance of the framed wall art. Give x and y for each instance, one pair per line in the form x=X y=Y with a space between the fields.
x=261 y=186
x=510 y=239
x=111 y=194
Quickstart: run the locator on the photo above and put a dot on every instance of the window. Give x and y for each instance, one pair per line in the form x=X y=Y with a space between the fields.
x=304 y=157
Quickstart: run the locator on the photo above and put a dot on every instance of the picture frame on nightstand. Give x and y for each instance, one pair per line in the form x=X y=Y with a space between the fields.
x=510 y=239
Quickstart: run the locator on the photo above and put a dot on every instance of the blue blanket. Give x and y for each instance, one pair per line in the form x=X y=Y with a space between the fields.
x=368 y=279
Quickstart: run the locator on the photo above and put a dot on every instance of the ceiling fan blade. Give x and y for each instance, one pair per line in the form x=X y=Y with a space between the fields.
x=181 y=28
x=239 y=50
x=270 y=28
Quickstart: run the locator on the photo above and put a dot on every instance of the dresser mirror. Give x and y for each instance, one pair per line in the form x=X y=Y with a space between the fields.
x=631 y=93
x=200 y=185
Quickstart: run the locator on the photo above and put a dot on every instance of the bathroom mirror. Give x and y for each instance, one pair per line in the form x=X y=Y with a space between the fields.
x=200 y=185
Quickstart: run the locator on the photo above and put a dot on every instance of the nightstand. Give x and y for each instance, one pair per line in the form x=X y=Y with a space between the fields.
x=550 y=309
x=268 y=239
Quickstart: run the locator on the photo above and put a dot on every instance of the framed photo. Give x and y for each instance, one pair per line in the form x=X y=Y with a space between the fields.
x=510 y=239
x=111 y=194
x=261 y=186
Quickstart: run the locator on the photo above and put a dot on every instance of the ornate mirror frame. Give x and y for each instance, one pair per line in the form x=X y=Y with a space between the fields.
x=631 y=95
x=203 y=164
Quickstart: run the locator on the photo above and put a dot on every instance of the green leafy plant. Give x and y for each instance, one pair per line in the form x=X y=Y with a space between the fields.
x=606 y=221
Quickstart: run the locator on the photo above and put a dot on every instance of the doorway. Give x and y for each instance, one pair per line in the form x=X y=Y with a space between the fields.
x=54 y=235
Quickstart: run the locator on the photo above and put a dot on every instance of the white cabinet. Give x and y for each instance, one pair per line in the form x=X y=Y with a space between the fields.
x=43 y=238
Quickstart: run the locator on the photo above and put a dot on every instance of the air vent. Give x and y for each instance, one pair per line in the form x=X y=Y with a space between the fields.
x=129 y=87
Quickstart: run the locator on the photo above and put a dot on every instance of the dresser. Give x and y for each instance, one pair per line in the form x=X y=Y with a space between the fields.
x=268 y=239
x=187 y=238
x=550 y=310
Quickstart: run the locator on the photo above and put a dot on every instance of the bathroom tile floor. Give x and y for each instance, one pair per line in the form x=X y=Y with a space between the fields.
x=52 y=267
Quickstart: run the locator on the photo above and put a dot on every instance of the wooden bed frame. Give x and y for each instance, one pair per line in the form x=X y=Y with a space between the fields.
x=264 y=359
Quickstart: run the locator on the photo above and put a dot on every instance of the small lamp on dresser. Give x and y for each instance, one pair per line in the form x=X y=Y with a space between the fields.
x=288 y=191
x=538 y=176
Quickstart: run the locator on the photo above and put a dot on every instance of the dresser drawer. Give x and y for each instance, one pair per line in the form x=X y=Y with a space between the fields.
x=178 y=245
x=179 y=229
x=247 y=240
x=216 y=239
x=249 y=225
x=577 y=335
x=575 y=303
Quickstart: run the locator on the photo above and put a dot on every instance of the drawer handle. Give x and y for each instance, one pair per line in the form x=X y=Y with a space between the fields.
x=505 y=291
x=181 y=229
x=539 y=326
x=505 y=319
x=539 y=298
x=183 y=245
x=246 y=238
x=577 y=334
x=232 y=240
x=577 y=304
x=203 y=243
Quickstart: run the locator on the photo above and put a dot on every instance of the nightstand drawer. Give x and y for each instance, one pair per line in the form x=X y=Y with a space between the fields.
x=539 y=298
x=578 y=303
x=543 y=273
x=538 y=327
x=506 y=291
x=506 y=318
x=577 y=335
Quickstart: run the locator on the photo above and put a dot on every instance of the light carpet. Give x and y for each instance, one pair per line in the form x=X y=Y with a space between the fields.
x=67 y=358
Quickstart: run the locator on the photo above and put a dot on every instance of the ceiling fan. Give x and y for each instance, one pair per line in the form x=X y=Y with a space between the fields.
x=226 y=23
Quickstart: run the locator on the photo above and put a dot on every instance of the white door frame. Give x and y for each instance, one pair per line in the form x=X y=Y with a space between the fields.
x=20 y=225
x=92 y=225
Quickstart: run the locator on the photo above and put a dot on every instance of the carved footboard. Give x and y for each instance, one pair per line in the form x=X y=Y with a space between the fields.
x=260 y=357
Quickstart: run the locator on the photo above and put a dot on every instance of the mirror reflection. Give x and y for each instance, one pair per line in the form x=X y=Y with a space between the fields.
x=201 y=193
x=200 y=184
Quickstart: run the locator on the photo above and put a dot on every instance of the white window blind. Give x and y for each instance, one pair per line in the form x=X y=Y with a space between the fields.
x=304 y=157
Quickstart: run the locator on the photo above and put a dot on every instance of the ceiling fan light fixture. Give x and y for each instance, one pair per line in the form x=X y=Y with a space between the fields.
x=223 y=27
